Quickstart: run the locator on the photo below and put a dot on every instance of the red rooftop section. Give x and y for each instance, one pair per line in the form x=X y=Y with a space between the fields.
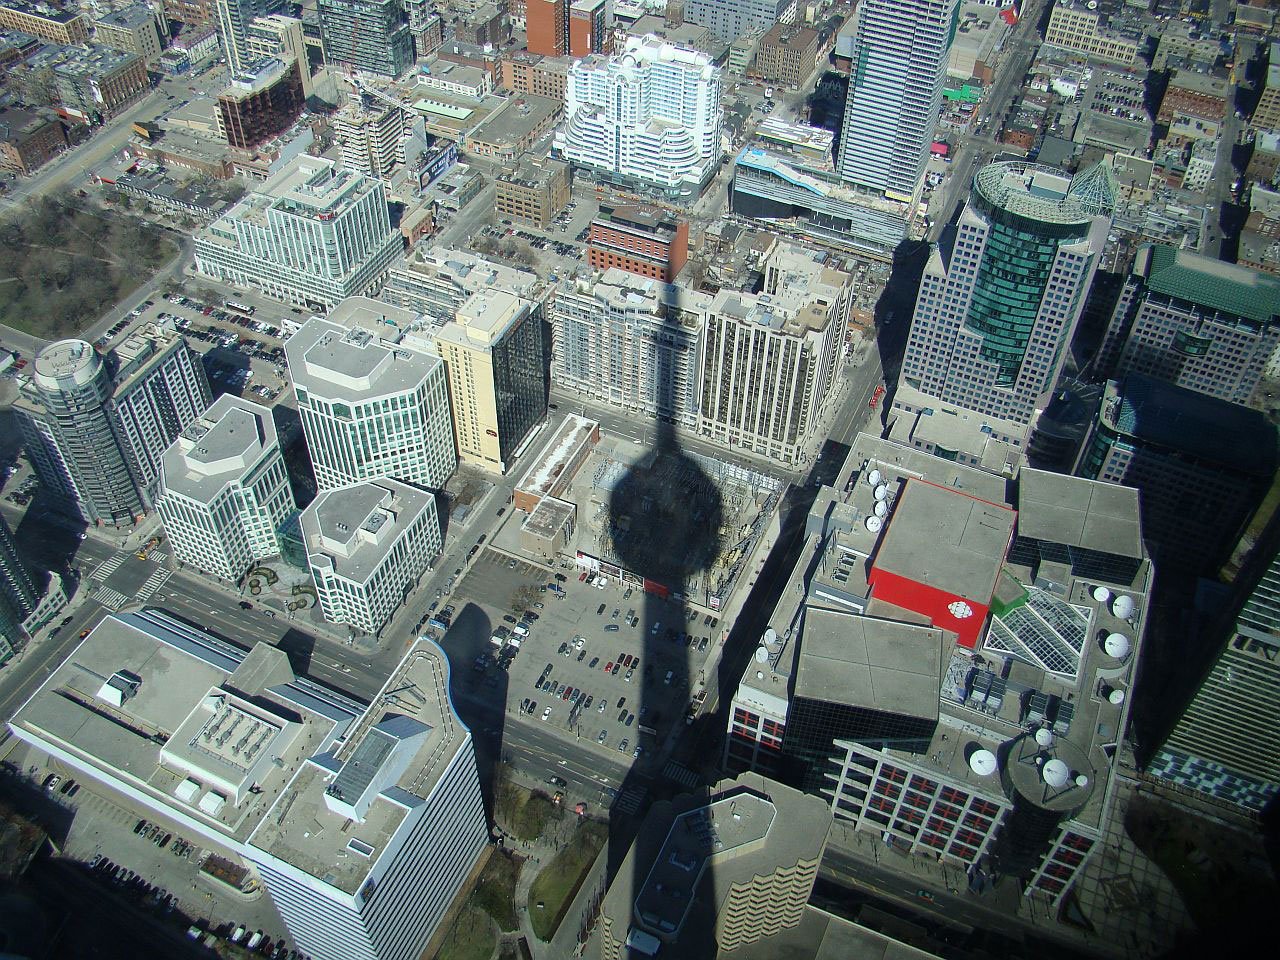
x=940 y=557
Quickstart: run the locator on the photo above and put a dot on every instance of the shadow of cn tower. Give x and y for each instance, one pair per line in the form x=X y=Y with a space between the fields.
x=664 y=524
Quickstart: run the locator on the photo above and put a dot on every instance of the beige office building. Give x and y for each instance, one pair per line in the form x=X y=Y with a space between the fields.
x=495 y=352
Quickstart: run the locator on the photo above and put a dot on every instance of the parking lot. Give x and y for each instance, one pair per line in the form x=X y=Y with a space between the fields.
x=581 y=667
x=155 y=865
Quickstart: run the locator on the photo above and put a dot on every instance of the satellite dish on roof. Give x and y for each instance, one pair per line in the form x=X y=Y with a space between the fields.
x=874 y=478
x=882 y=509
x=1044 y=737
x=1117 y=645
x=882 y=491
x=874 y=523
x=1123 y=607
x=1101 y=594
x=1056 y=773
x=1116 y=697
x=770 y=636
x=983 y=763
x=762 y=655
x=1082 y=781
x=759 y=675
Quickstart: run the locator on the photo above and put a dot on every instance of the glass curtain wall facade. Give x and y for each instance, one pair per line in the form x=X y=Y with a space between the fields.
x=369 y=36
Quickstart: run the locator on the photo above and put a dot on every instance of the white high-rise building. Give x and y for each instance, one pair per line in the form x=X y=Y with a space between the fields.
x=363 y=820
x=373 y=397
x=648 y=116
x=366 y=545
x=280 y=38
x=371 y=135
x=630 y=341
x=314 y=234
x=770 y=360
x=96 y=426
x=224 y=491
x=895 y=93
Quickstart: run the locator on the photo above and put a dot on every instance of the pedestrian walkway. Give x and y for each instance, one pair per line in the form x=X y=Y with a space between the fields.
x=107 y=567
x=680 y=774
x=630 y=801
x=157 y=556
x=152 y=584
x=109 y=598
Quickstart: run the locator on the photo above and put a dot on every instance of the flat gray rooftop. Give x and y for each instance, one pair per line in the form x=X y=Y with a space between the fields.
x=354 y=364
x=182 y=683
x=302 y=829
x=222 y=446
x=949 y=540
x=357 y=525
x=868 y=662
x=1079 y=512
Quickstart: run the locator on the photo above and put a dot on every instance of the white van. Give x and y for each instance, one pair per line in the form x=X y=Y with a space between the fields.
x=520 y=631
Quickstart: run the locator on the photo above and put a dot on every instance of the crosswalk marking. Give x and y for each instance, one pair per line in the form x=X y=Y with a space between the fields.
x=107 y=568
x=152 y=584
x=630 y=800
x=109 y=598
x=680 y=774
x=157 y=556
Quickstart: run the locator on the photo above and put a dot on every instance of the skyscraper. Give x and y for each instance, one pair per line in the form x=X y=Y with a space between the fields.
x=895 y=93
x=96 y=427
x=1195 y=321
x=224 y=490
x=995 y=314
x=373 y=403
x=547 y=27
x=497 y=354
x=18 y=595
x=233 y=18
x=727 y=20
x=1226 y=743
x=367 y=36
x=648 y=117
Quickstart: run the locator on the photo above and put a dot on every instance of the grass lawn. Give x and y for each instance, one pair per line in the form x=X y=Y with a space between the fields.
x=559 y=880
x=525 y=814
x=64 y=263
x=472 y=936
x=495 y=891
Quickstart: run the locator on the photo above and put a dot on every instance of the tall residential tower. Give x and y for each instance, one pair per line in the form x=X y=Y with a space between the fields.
x=895 y=93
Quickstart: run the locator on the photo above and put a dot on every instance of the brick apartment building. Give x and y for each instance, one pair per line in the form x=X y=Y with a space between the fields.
x=787 y=54
x=643 y=240
x=535 y=191
x=529 y=73
x=29 y=139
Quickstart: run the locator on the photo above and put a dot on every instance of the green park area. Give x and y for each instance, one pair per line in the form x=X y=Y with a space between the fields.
x=490 y=907
x=64 y=263
x=556 y=886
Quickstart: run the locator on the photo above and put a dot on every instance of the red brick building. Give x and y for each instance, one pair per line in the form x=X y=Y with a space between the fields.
x=546 y=27
x=646 y=241
x=588 y=29
x=29 y=139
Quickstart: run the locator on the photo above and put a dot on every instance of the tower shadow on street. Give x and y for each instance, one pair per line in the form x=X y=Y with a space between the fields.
x=665 y=518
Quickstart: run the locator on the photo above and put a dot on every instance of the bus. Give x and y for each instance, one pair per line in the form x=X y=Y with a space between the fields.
x=238 y=307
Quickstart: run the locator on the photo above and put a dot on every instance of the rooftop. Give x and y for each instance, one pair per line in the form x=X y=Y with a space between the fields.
x=1228 y=287
x=130 y=17
x=220 y=447
x=514 y=123
x=1176 y=418
x=548 y=517
x=337 y=819
x=750 y=827
x=256 y=77
x=1042 y=193
x=186 y=718
x=352 y=356
x=569 y=438
x=484 y=319
x=880 y=664
x=1079 y=512
x=951 y=541
x=349 y=531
